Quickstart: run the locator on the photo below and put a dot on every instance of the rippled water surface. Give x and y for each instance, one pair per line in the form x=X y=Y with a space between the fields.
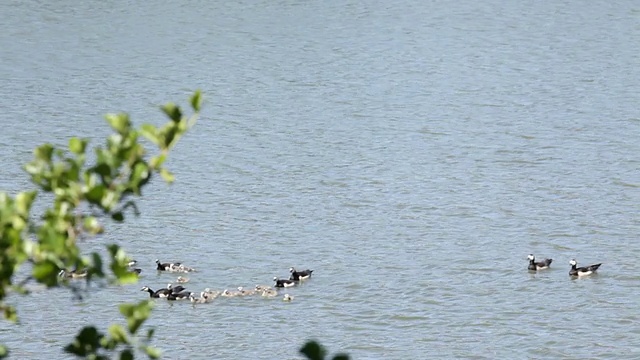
x=412 y=153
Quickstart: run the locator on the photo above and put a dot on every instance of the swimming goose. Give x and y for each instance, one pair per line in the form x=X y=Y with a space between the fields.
x=269 y=293
x=283 y=282
x=182 y=280
x=582 y=271
x=287 y=297
x=73 y=274
x=259 y=288
x=227 y=293
x=179 y=296
x=133 y=270
x=165 y=266
x=201 y=300
x=299 y=275
x=161 y=293
x=177 y=267
x=212 y=294
x=176 y=289
x=540 y=265
x=244 y=292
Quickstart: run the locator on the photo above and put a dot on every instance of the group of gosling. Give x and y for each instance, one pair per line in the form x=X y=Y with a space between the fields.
x=575 y=271
x=180 y=293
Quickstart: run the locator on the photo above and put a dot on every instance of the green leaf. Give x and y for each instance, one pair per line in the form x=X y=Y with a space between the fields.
x=119 y=122
x=46 y=272
x=152 y=352
x=150 y=132
x=77 y=146
x=126 y=354
x=24 y=201
x=44 y=152
x=118 y=216
x=10 y=313
x=136 y=314
x=172 y=111
x=341 y=357
x=4 y=352
x=118 y=334
x=86 y=343
x=196 y=101
x=157 y=161
x=92 y=225
x=313 y=351
x=167 y=175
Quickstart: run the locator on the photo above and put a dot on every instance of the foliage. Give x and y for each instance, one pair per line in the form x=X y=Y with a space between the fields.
x=83 y=196
x=314 y=351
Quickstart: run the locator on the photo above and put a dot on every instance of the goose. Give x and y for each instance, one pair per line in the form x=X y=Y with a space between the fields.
x=160 y=293
x=201 y=300
x=244 y=292
x=227 y=293
x=133 y=270
x=269 y=293
x=287 y=297
x=176 y=289
x=283 y=282
x=260 y=288
x=73 y=274
x=182 y=280
x=582 y=271
x=212 y=294
x=540 y=265
x=165 y=266
x=179 y=296
x=180 y=268
x=299 y=275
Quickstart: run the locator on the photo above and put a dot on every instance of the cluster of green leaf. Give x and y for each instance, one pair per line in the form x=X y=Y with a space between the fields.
x=314 y=351
x=83 y=196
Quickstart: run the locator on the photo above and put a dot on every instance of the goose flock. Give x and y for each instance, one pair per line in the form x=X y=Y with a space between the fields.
x=179 y=292
x=575 y=271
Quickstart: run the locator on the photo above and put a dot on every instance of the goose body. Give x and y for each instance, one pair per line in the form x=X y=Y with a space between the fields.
x=244 y=292
x=212 y=294
x=582 y=271
x=283 y=282
x=299 y=275
x=287 y=297
x=176 y=289
x=269 y=293
x=73 y=274
x=538 y=265
x=180 y=268
x=201 y=300
x=161 y=293
x=182 y=280
x=165 y=266
x=179 y=296
x=227 y=293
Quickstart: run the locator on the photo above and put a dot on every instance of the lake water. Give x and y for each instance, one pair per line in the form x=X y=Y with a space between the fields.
x=412 y=153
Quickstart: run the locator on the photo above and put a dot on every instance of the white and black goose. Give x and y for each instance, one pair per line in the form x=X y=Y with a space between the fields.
x=538 y=265
x=165 y=266
x=179 y=296
x=582 y=271
x=299 y=275
x=175 y=289
x=282 y=283
x=160 y=293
